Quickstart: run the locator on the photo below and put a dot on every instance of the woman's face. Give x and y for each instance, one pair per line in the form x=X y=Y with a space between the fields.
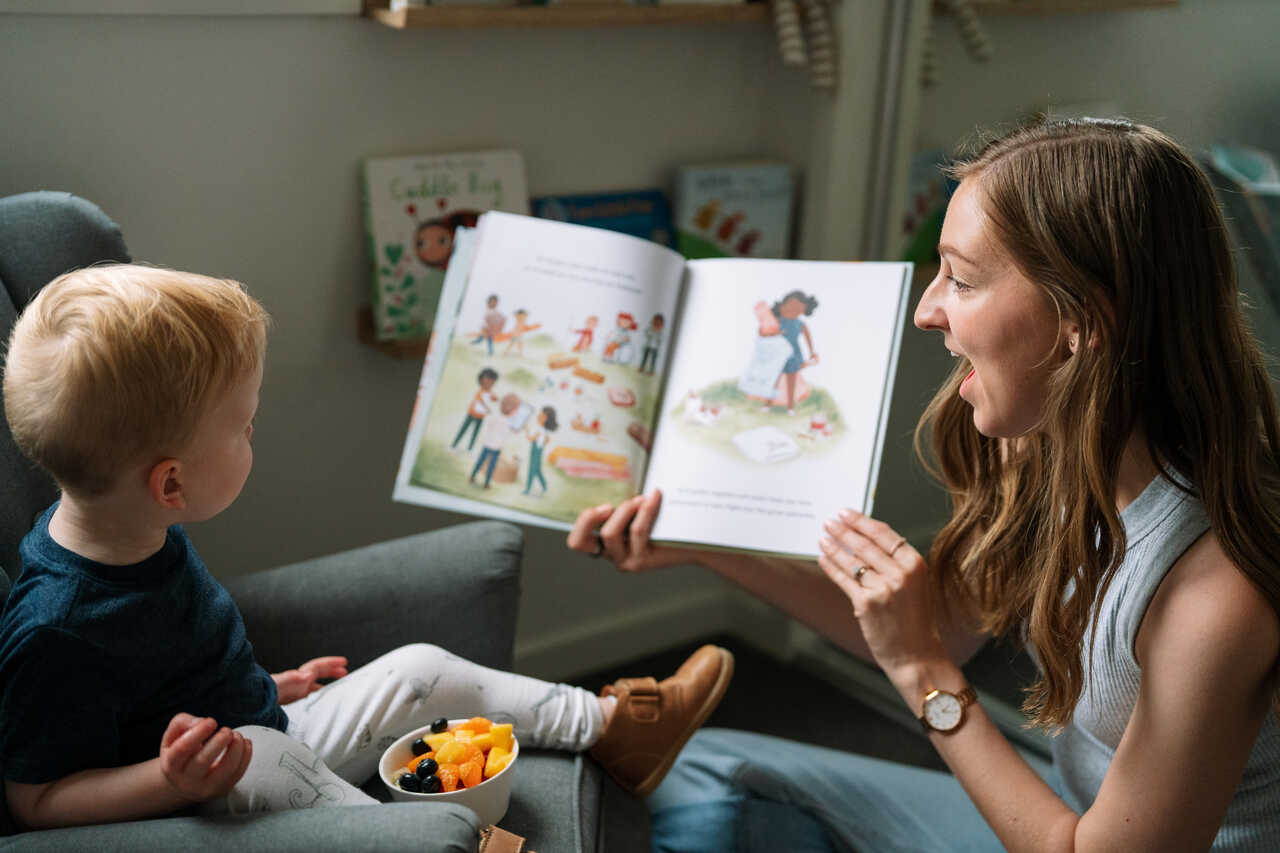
x=992 y=315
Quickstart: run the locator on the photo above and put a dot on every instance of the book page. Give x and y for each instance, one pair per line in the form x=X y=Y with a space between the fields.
x=539 y=400
x=776 y=400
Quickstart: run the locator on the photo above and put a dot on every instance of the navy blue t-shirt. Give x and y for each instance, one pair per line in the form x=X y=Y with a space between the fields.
x=95 y=659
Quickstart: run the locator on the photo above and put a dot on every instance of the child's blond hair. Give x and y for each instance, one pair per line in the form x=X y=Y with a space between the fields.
x=110 y=365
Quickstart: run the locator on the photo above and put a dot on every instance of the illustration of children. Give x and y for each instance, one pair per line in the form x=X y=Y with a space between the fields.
x=788 y=311
x=494 y=321
x=652 y=343
x=617 y=347
x=433 y=241
x=517 y=332
x=478 y=408
x=496 y=433
x=586 y=334
x=539 y=437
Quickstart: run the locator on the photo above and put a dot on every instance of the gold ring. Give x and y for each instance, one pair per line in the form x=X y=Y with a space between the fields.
x=901 y=541
x=859 y=572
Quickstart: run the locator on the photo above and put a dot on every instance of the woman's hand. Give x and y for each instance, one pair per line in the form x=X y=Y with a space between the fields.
x=891 y=597
x=295 y=684
x=623 y=535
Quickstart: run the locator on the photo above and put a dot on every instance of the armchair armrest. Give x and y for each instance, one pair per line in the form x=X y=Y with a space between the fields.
x=441 y=828
x=458 y=587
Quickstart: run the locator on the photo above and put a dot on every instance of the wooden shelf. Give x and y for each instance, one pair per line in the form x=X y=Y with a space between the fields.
x=563 y=15
x=984 y=7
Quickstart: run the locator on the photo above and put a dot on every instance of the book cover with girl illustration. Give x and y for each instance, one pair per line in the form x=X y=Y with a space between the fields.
x=413 y=208
x=754 y=393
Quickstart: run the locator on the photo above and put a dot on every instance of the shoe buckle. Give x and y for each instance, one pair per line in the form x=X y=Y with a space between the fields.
x=646 y=700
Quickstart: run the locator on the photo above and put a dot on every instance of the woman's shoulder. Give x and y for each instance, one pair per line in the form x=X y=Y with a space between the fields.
x=1206 y=603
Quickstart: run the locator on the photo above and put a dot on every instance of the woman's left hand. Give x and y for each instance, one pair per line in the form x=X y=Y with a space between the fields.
x=295 y=684
x=891 y=597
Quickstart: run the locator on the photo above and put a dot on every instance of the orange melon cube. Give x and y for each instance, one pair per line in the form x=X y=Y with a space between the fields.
x=438 y=740
x=494 y=762
x=502 y=735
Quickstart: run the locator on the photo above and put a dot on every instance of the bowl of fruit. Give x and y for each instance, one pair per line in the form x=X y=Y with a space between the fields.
x=458 y=761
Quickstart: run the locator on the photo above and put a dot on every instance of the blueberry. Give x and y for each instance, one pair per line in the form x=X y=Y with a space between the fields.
x=432 y=785
x=440 y=725
x=409 y=782
x=427 y=767
x=420 y=746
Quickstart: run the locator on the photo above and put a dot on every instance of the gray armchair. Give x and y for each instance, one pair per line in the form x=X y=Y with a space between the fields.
x=364 y=602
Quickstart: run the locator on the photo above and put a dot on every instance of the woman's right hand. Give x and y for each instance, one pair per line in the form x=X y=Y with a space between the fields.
x=623 y=535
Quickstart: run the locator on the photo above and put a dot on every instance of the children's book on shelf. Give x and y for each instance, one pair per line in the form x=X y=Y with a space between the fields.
x=735 y=210
x=641 y=213
x=413 y=207
x=574 y=366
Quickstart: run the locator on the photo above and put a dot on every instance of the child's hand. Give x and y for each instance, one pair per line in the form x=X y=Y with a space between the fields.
x=295 y=684
x=201 y=761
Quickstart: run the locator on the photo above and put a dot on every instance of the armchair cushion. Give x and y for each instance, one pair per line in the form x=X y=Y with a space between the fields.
x=458 y=588
x=440 y=828
x=42 y=235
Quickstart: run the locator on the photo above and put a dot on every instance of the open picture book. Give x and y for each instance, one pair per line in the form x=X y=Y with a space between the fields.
x=572 y=367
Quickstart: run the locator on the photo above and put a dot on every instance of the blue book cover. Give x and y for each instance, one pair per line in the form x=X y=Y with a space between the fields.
x=640 y=213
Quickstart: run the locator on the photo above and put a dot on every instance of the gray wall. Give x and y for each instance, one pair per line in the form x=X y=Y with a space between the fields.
x=230 y=146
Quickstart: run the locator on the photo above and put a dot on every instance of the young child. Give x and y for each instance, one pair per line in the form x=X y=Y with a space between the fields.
x=128 y=688
x=652 y=343
x=539 y=436
x=479 y=407
x=494 y=438
x=494 y=322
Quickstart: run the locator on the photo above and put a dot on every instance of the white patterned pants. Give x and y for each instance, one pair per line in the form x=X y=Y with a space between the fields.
x=337 y=734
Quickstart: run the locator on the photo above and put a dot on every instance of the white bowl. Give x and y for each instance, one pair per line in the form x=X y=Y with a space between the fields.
x=488 y=800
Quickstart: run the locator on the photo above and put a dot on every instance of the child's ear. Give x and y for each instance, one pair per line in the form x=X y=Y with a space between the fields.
x=164 y=484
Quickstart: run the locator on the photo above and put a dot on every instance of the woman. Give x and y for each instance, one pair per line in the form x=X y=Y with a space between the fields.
x=1109 y=439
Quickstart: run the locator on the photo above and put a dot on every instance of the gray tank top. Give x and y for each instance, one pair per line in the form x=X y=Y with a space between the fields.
x=1160 y=526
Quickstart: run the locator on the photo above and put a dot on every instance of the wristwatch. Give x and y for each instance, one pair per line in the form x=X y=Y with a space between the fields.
x=944 y=711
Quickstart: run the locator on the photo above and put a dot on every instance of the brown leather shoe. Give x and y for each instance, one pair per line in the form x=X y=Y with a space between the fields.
x=653 y=719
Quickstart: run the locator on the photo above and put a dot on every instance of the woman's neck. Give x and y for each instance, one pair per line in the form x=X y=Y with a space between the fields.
x=1137 y=470
x=105 y=530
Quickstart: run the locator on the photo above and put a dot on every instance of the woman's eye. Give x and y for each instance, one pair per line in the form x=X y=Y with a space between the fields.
x=958 y=284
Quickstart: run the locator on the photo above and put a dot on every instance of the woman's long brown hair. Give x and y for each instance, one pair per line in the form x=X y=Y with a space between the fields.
x=1120 y=227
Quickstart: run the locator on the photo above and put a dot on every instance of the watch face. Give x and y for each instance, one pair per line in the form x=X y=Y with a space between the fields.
x=942 y=710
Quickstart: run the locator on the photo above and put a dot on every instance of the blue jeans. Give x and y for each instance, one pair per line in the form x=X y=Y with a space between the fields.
x=737 y=791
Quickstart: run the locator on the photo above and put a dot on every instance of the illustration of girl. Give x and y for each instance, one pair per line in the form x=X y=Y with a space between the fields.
x=433 y=241
x=617 y=348
x=788 y=312
x=539 y=437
